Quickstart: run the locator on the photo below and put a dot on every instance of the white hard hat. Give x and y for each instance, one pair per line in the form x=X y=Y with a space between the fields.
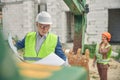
x=44 y=18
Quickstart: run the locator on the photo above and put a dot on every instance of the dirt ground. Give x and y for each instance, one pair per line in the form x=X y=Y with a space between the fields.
x=113 y=71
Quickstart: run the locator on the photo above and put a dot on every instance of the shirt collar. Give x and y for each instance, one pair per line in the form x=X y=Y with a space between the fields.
x=38 y=35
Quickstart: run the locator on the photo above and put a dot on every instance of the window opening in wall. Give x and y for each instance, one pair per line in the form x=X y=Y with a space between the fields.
x=70 y=26
x=42 y=6
x=114 y=24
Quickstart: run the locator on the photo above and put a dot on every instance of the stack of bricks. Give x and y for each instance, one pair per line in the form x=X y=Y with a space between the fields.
x=78 y=59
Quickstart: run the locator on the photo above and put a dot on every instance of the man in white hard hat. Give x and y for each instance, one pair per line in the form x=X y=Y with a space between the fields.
x=41 y=43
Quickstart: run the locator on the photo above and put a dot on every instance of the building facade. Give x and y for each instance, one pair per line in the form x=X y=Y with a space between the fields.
x=19 y=17
x=104 y=15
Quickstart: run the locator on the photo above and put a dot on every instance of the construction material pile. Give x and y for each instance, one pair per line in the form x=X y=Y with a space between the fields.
x=78 y=59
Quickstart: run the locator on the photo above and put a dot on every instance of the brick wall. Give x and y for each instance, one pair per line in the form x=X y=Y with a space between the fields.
x=18 y=17
x=57 y=12
x=97 y=18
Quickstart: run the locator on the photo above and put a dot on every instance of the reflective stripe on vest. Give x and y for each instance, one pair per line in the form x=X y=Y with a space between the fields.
x=47 y=47
x=99 y=56
x=31 y=58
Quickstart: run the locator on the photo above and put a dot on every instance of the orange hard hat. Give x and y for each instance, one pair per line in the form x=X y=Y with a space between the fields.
x=107 y=35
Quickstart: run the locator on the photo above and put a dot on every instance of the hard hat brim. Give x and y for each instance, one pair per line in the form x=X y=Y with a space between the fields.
x=45 y=23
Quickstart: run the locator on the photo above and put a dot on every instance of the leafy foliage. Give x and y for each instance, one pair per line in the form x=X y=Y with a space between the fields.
x=92 y=48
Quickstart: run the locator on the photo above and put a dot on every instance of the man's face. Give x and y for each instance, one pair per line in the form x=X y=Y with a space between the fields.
x=43 y=28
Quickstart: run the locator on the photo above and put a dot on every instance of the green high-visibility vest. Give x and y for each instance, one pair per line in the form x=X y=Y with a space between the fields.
x=100 y=57
x=47 y=47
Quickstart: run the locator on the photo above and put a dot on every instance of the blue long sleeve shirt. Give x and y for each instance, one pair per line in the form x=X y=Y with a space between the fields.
x=58 y=49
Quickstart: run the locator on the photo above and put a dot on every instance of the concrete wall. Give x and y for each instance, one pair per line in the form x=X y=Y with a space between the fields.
x=98 y=18
x=18 y=17
x=57 y=10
